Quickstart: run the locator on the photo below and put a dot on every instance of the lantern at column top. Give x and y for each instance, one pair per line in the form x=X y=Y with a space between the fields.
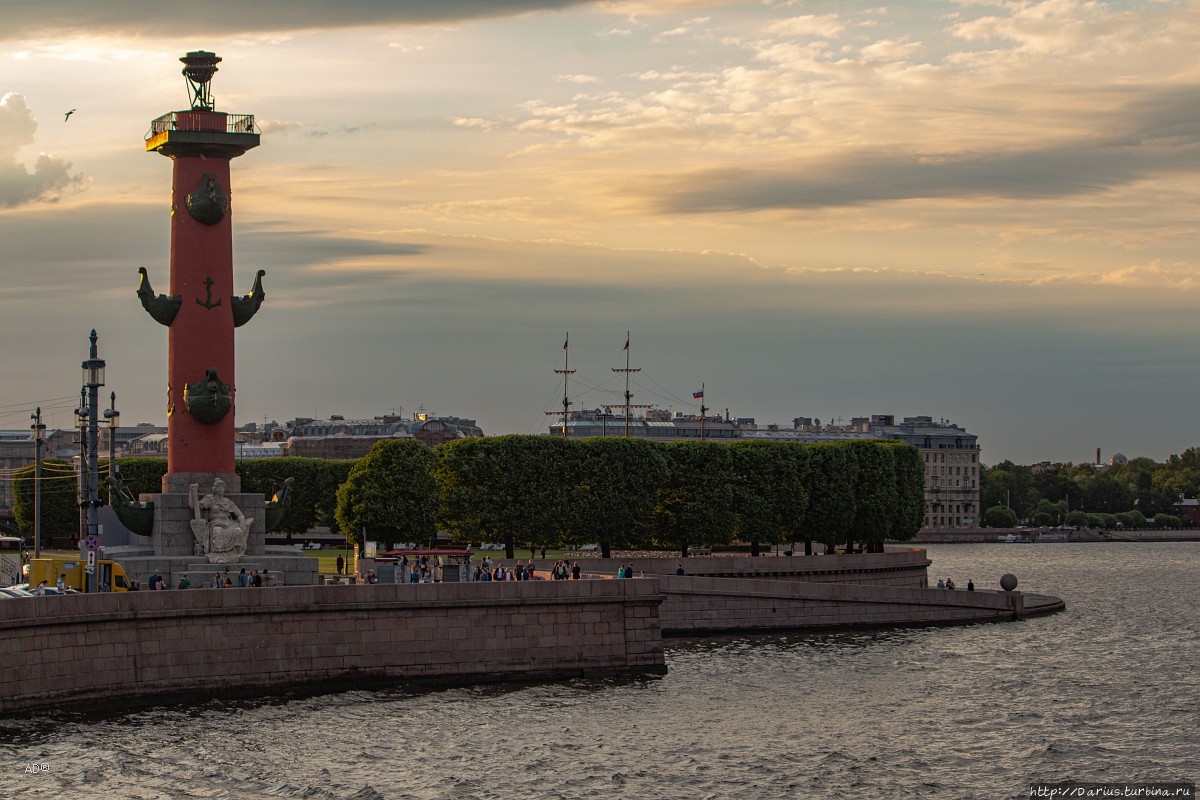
x=199 y=67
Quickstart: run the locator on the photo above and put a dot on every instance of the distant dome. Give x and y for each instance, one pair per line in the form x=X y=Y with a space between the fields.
x=1118 y=458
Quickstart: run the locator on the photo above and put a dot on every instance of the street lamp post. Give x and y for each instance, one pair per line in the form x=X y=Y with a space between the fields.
x=93 y=379
x=39 y=436
x=114 y=418
x=82 y=414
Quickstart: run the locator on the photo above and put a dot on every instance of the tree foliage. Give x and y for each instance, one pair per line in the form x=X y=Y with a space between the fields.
x=60 y=501
x=390 y=493
x=832 y=478
x=1000 y=517
x=769 y=496
x=1046 y=494
x=876 y=494
x=314 y=494
x=505 y=489
x=695 y=502
x=613 y=485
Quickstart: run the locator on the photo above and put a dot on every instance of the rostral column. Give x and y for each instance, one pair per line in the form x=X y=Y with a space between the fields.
x=201 y=309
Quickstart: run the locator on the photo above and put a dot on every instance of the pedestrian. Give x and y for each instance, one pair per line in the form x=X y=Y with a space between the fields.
x=575 y=571
x=949 y=583
x=679 y=570
x=266 y=577
x=41 y=589
x=341 y=564
x=941 y=583
x=185 y=582
x=414 y=576
x=154 y=579
x=970 y=585
x=243 y=579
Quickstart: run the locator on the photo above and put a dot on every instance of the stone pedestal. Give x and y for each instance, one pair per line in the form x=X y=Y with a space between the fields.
x=173 y=513
x=171 y=549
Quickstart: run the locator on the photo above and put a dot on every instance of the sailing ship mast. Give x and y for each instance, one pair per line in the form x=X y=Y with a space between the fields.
x=565 y=371
x=628 y=396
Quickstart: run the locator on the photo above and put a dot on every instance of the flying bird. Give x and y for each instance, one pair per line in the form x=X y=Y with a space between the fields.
x=67 y=116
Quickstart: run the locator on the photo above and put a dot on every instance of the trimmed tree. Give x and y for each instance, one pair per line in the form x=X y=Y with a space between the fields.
x=695 y=502
x=613 y=485
x=768 y=493
x=391 y=493
x=496 y=488
x=832 y=478
x=876 y=494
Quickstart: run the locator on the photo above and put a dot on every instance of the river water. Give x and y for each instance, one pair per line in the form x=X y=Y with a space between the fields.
x=1107 y=691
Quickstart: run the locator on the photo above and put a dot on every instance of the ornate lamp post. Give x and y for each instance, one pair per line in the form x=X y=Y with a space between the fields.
x=93 y=379
x=81 y=414
x=114 y=419
x=39 y=436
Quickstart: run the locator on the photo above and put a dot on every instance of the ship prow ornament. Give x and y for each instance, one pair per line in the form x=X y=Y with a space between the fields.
x=208 y=400
x=246 y=306
x=209 y=203
x=162 y=308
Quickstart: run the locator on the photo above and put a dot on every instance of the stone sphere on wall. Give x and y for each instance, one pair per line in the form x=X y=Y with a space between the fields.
x=1008 y=582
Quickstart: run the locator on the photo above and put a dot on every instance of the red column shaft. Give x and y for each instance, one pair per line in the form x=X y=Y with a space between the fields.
x=201 y=336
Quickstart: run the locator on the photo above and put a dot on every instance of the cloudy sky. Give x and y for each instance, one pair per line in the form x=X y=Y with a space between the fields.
x=983 y=210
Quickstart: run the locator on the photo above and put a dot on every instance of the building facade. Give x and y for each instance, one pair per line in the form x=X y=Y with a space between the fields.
x=340 y=438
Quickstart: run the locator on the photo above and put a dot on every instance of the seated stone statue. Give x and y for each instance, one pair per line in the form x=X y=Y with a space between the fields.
x=220 y=528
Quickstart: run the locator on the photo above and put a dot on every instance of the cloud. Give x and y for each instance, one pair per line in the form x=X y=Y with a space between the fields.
x=50 y=176
x=1161 y=136
x=827 y=26
x=129 y=18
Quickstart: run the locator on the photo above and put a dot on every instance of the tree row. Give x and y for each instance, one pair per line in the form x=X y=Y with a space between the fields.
x=618 y=493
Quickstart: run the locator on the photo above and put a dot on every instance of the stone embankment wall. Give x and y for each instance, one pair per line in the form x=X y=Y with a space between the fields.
x=696 y=605
x=901 y=566
x=98 y=649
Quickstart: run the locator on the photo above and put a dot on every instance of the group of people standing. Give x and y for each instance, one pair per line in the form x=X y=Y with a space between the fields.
x=220 y=580
x=948 y=583
x=420 y=570
x=562 y=571
x=487 y=571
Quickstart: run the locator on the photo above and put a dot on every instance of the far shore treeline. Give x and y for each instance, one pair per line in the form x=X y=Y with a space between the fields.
x=535 y=491
x=1132 y=493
